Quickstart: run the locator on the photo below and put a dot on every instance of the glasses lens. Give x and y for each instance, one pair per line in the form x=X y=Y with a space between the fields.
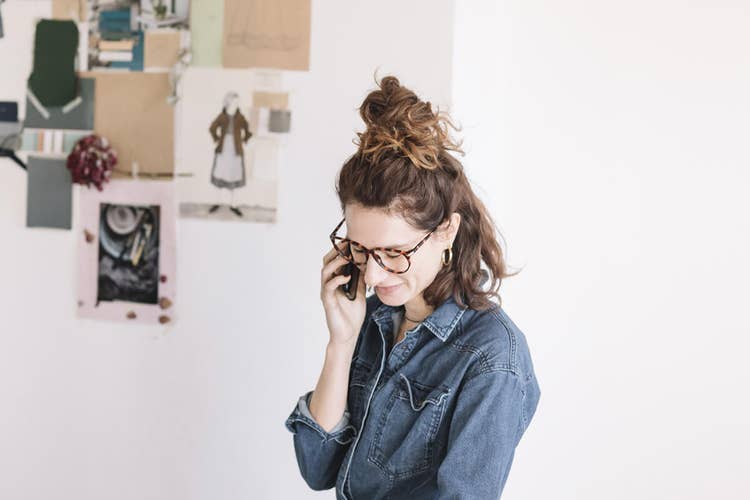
x=390 y=261
x=359 y=255
x=344 y=249
x=353 y=252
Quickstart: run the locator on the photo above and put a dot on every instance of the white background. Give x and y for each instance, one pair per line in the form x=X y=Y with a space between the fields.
x=610 y=140
x=613 y=140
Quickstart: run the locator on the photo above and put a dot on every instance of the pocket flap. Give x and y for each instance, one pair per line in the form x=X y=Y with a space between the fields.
x=419 y=394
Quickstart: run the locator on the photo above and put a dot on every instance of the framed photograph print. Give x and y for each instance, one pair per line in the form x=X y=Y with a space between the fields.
x=126 y=258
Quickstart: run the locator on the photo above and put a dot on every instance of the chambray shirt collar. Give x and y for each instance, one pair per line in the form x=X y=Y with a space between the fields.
x=441 y=322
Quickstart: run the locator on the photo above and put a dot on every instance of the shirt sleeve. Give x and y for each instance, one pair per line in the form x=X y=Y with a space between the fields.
x=214 y=127
x=319 y=453
x=484 y=431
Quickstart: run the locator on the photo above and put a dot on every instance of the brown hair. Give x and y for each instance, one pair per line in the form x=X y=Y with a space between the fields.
x=403 y=166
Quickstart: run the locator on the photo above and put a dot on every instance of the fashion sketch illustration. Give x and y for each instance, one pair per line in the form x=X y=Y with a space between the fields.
x=229 y=131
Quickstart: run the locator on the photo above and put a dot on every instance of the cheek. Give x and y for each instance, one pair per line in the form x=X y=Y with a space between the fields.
x=423 y=269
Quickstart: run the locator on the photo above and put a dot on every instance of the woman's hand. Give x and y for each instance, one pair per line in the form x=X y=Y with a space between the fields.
x=343 y=316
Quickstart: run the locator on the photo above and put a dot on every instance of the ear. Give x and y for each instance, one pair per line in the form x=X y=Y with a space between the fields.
x=449 y=228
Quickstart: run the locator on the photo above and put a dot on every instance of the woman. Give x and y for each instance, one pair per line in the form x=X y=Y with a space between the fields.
x=427 y=385
x=228 y=170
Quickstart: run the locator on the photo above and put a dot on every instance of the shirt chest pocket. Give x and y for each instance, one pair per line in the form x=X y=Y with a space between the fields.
x=404 y=438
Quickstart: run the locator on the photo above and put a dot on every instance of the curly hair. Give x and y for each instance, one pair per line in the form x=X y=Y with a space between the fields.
x=403 y=165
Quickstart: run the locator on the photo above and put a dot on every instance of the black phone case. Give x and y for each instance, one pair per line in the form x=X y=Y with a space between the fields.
x=350 y=287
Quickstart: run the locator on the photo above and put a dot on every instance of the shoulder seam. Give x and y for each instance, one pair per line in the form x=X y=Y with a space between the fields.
x=494 y=369
x=511 y=339
x=471 y=349
x=484 y=365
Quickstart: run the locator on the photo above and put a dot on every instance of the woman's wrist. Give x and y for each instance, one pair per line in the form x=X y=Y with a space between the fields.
x=340 y=351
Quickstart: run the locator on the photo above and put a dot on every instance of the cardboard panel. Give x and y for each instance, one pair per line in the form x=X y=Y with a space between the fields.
x=132 y=112
x=161 y=48
x=76 y=10
x=266 y=34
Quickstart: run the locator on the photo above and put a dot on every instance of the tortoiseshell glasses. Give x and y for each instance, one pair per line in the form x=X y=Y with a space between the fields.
x=391 y=259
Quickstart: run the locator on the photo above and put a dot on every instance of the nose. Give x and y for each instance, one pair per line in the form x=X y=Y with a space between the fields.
x=374 y=274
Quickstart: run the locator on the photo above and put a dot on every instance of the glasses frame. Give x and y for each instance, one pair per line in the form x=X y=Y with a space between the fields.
x=368 y=251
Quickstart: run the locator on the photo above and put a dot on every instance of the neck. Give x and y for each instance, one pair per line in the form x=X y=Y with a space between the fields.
x=416 y=310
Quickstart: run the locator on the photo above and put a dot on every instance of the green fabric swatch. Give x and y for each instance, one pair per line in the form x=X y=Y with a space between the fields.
x=53 y=78
x=206 y=27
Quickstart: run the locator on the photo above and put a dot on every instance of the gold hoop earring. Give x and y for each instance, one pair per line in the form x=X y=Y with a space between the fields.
x=446 y=260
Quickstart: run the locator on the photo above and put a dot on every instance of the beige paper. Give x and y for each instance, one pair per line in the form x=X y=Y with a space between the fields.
x=273 y=100
x=69 y=9
x=161 y=48
x=131 y=111
x=266 y=34
x=116 y=44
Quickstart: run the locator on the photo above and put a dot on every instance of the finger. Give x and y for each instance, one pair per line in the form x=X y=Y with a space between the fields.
x=332 y=257
x=329 y=256
x=336 y=281
x=333 y=266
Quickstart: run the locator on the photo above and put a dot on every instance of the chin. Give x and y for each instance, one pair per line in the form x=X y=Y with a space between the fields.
x=392 y=298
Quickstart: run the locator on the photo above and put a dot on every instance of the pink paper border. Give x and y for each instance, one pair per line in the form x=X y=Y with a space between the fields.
x=127 y=192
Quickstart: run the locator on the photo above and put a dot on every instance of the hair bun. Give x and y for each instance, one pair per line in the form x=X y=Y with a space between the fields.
x=399 y=122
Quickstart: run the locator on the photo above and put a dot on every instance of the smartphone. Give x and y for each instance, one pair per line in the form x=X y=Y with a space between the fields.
x=350 y=287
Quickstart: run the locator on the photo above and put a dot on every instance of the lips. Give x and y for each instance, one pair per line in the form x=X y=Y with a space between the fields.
x=387 y=289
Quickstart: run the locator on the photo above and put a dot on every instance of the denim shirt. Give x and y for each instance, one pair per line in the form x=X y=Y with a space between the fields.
x=437 y=416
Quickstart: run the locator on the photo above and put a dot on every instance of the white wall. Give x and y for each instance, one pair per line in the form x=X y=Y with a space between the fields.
x=609 y=139
x=612 y=138
x=92 y=410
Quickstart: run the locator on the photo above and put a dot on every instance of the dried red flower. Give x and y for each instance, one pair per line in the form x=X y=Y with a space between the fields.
x=92 y=161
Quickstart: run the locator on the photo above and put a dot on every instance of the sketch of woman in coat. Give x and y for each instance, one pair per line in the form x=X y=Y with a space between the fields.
x=229 y=131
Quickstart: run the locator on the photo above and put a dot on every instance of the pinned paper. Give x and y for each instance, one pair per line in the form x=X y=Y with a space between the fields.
x=76 y=10
x=279 y=120
x=162 y=48
x=53 y=80
x=80 y=117
x=126 y=254
x=8 y=111
x=254 y=199
x=10 y=128
x=273 y=100
x=264 y=159
x=10 y=135
x=206 y=24
x=262 y=112
x=49 y=193
x=132 y=113
x=266 y=34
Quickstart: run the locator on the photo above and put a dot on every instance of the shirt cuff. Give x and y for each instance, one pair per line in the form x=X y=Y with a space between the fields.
x=302 y=413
